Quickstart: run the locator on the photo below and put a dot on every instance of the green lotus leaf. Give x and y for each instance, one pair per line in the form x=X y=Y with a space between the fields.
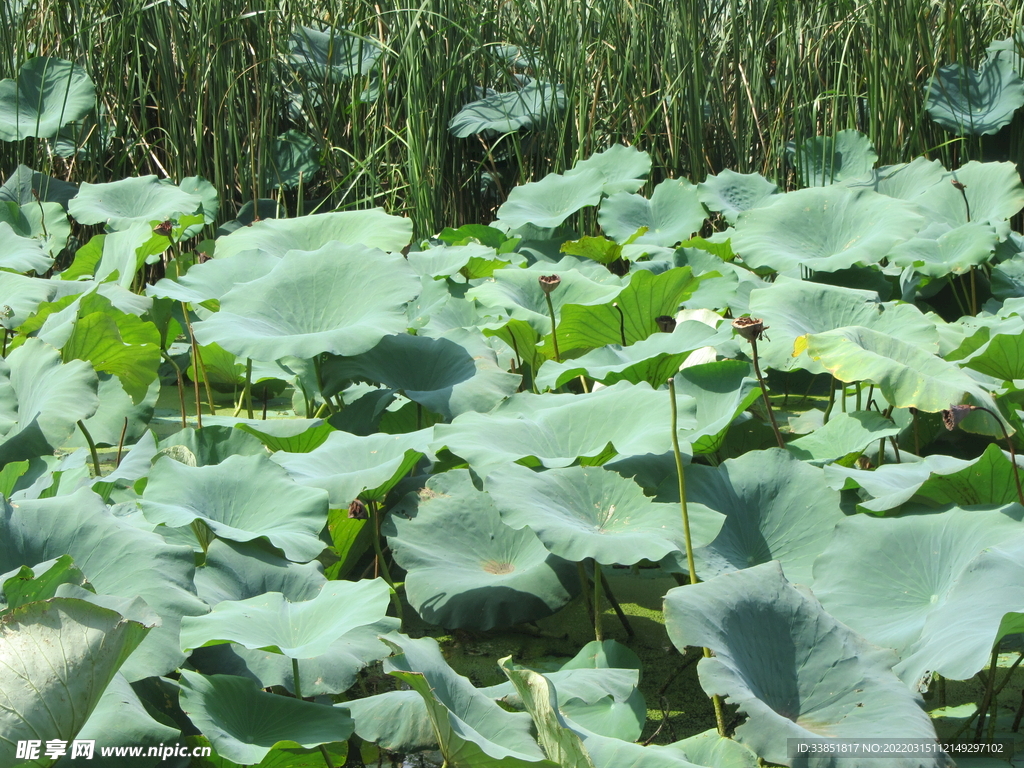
x=468 y=569
x=647 y=297
x=730 y=193
x=581 y=512
x=908 y=376
x=975 y=103
x=299 y=630
x=926 y=556
x=989 y=479
x=22 y=254
x=654 y=360
x=22 y=295
x=985 y=604
x=824 y=160
x=529 y=107
x=119 y=204
x=395 y=720
x=23 y=186
x=893 y=484
x=954 y=252
x=115 y=257
x=49 y=93
x=556 y=430
x=59 y=656
x=843 y=435
x=116 y=557
x=709 y=748
x=294 y=158
x=347 y=466
x=214 y=278
x=1001 y=357
x=553 y=199
x=671 y=216
x=792 y=308
x=212 y=444
x=291 y=435
x=341 y=299
x=517 y=293
x=623 y=168
x=238 y=571
x=242 y=498
x=332 y=55
x=717 y=394
x=243 y=723
x=776 y=508
x=903 y=180
x=449 y=375
x=470 y=729
x=26 y=585
x=448 y=260
x=992 y=191
x=824 y=229
x=795 y=671
x=46 y=223
x=371 y=228
x=608 y=752
x=41 y=400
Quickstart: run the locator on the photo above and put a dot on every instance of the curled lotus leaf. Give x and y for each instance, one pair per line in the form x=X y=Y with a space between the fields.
x=672 y=214
x=47 y=94
x=119 y=204
x=527 y=107
x=975 y=102
x=553 y=199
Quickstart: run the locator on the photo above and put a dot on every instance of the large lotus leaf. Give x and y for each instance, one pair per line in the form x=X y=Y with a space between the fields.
x=395 y=720
x=792 y=308
x=893 y=484
x=59 y=656
x=823 y=160
x=517 y=293
x=969 y=102
x=119 y=204
x=46 y=223
x=633 y=314
x=22 y=254
x=25 y=186
x=466 y=568
x=529 y=107
x=553 y=199
x=581 y=512
x=471 y=730
x=243 y=723
x=985 y=604
x=117 y=256
x=671 y=216
x=41 y=400
x=294 y=157
x=654 y=360
x=993 y=193
x=235 y=571
x=449 y=376
x=300 y=630
x=730 y=193
x=843 y=435
x=556 y=430
x=371 y=228
x=908 y=376
x=116 y=557
x=824 y=229
x=242 y=498
x=49 y=93
x=347 y=465
x=292 y=435
x=341 y=299
x=795 y=671
x=449 y=260
x=709 y=748
x=624 y=168
x=925 y=557
x=953 y=252
x=22 y=296
x=106 y=426
x=1001 y=357
x=332 y=55
x=213 y=444
x=776 y=507
x=719 y=392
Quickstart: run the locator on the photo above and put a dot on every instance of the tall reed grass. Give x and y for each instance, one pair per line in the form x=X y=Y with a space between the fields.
x=202 y=87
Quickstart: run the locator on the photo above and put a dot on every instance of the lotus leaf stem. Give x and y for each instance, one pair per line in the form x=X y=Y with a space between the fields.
x=764 y=394
x=623 y=619
x=581 y=572
x=92 y=447
x=120 y=443
x=598 y=578
x=554 y=329
x=987 y=706
x=380 y=562
x=206 y=383
x=247 y=389
x=181 y=386
x=622 y=323
x=196 y=365
x=956 y=413
x=296 y=683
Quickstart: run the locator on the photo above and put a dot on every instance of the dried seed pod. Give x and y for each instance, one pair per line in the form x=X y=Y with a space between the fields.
x=164 y=228
x=548 y=283
x=958 y=184
x=750 y=328
x=955 y=415
x=666 y=323
x=357 y=511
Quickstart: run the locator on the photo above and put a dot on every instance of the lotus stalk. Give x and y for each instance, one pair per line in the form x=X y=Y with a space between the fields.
x=92 y=448
x=380 y=562
x=548 y=283
x=691 y=567
x=952 y=418
x=297 y=684
x=752 y=329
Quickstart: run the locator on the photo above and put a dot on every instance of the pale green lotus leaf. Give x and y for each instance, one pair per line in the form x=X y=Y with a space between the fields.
x=843 y=435
x=824 y=160
x=46 y=223
x=824 y=229
x=893 y=484
x=952 y=253
x=214 y=278
x=673 y=213
x=22 y=254
x=48 y=93
x=553 y=199
x=119 y=204
x=623 y=168
x=25 y=186
x=975 y=102
x=730 y=193
x=792 y=669
x=294 y=158
x=341 y=299
x=905 y=181
x=992 y=191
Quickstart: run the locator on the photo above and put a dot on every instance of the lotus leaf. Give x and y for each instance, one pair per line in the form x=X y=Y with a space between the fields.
x=212 y=279
x=730 y=193
x=243 y=723
x=294 y=157
x=1000 y=357
x=351 y=297
x=49 y=93
x=528 y=107
x=119 y=204
x=903 y=180
x=47 y=223
x=824 y=229
x=26 y=585
x=553 y=199
x=992 y=192
x=468 y=569
x=987 y=480
x=581 y=512
x=332 y=55
x=22 y=254
x=926 y=557
x=242 y=498
x=347 y=465
x=969 y=102
x=795 y=671
x=24 y=184
x=824 y=160
x=954 y=252
x=671 y=216
x=893 y=484
x=59 y=656
x=623 y=168
x=719 y=392
x=396 y=720
x=844 y=435
x=22 y=295
x=291 y=435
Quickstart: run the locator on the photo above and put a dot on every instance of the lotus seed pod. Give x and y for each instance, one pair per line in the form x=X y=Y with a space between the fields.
x=955 y=415
x=548 y=283
x=666 y=323
x=357 y=511
x=750 y=328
